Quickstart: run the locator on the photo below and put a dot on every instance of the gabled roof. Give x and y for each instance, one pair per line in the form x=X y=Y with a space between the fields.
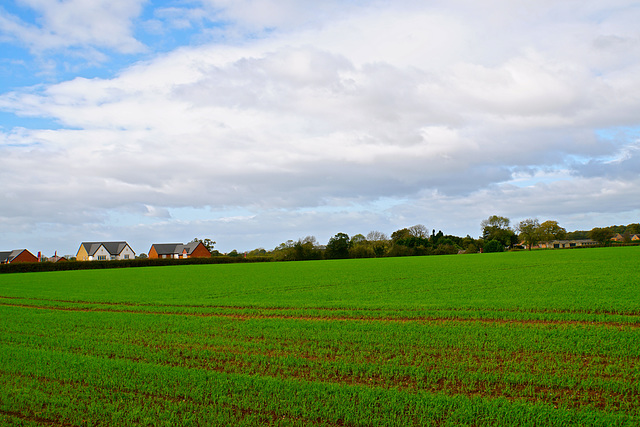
x=114 y=248
x=175 y=248
x=166 y=248
x=8 y=256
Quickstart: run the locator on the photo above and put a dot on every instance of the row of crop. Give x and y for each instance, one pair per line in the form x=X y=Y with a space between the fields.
x=82 y=390
x=476 y=373
x=595 y=339
x=470 y=358
x=412 y=314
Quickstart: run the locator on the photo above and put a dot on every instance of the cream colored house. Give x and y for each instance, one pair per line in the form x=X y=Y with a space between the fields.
x=104 y=251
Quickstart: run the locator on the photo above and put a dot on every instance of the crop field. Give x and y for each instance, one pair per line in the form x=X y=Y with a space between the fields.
x=542 y=338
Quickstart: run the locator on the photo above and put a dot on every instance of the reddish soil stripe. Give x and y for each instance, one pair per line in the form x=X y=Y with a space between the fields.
x=331 y=309
x=35 y=419
x=619 y=325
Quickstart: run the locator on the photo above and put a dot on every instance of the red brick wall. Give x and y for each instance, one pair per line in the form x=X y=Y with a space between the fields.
x=25 y=256
x=200 y=252
x=153 y=253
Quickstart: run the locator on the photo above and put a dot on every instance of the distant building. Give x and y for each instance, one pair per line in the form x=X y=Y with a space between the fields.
x=635 y=237
x=179 y=250
x=104 y=251
x=16 y=256
x=561 y=244
x=57 y=258
x=618 y=238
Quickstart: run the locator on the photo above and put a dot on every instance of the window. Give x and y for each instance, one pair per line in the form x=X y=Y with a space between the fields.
x=102 y=257
x=126 y=256
x=113 y=257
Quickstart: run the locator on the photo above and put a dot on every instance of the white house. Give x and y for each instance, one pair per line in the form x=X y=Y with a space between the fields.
x=104 y=251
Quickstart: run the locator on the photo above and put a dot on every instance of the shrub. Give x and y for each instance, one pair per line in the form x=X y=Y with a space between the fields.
x=494 y=246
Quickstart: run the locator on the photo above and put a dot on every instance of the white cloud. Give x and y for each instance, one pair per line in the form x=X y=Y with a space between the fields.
x=445 y=111
x=63 y=24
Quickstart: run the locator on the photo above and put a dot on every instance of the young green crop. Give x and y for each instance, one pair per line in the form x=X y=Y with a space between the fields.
x=498 y=339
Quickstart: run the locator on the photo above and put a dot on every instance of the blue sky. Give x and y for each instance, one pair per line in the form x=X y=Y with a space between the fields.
x=252 y=122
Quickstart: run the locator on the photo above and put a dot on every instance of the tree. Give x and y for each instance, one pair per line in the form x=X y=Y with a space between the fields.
x=493 y=246
x=419 y=230
x=550 y=230
x=375 y=236
x=497 y=228
x=338 y=246
x=208 y=243
x=600 y=235
x=358 y=239
x=529 y=231
x=403 y=233
x=379 y=242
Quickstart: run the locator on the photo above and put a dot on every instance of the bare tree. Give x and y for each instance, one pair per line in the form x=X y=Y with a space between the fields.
x=419 y=230
x=376 y=236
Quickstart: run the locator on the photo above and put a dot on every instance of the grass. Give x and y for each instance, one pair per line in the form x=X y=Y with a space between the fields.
x=526 y=338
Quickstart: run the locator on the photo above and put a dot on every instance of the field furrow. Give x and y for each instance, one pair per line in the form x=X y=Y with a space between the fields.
x=423 y=350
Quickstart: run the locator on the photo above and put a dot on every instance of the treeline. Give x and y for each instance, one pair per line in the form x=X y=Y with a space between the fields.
x=411 y=241
x=607 y=233
x=497 y=235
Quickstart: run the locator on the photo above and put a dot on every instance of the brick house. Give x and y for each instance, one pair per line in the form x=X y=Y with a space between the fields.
x=17 y=255
x=179 y=250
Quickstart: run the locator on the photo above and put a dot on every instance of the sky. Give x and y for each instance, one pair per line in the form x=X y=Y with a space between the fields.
x=253 y=122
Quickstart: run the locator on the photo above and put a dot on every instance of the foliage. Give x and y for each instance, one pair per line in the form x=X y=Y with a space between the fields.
x=31 y=267
x=208 y=243
x=530 y=231
x=338 y=246
x=550 y=230
x=497 y=228
x=601 y=235
x=493 y=246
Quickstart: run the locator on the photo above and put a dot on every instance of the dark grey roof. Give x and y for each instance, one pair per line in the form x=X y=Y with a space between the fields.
x=175 y=248
x=166 y=248
x=114 y=248
x=4 y=256
x=8 y=256
x=190 y=247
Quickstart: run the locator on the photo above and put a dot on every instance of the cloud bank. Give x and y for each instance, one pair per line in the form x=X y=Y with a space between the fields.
x=295 y=118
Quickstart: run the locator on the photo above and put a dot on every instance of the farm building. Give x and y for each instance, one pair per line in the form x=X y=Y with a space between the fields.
x=104 y=251
x=17 y=255
x=560 y=244
x=179 y=250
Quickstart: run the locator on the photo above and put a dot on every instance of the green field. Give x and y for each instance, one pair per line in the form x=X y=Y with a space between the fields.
x=522 y=338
